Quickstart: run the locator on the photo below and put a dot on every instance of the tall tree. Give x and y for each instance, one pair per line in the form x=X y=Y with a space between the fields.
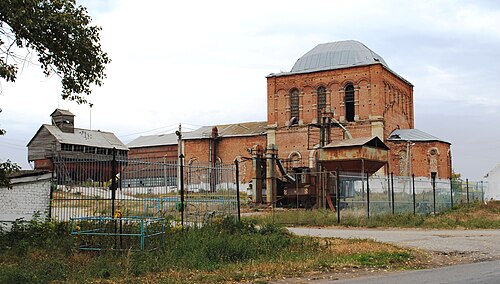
x=65 y=42
x=61 y=35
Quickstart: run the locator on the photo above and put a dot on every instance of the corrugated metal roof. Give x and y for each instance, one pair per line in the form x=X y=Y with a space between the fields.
x=153 y=140
x=369 y=141
x=230 y=130
x=337 y=55
x=86 y=137
x=413 y=135
x=225 y=130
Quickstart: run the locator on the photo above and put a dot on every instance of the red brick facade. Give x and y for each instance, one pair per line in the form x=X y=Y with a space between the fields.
x=164 y=152
x=383 y=102
x=227 y=149
x=420 y=158
x=366 y=97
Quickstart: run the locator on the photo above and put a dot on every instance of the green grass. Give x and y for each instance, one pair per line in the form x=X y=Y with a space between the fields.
x=472 y=216
x=225 y=251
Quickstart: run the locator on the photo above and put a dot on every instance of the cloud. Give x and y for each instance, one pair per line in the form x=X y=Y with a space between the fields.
x=205 y=62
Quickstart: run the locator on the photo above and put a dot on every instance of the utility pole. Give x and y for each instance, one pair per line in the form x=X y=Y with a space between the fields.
x=179 y=153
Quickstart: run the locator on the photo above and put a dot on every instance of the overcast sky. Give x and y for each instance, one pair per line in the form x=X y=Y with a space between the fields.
x=204 y=62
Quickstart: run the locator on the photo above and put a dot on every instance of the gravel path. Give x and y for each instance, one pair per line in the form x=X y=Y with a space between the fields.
x=449 y=247
x=484 y=244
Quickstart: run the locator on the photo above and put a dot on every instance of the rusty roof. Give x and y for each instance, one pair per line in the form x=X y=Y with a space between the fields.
x=224 y=130
x=230 y=130
x=364 y=141
x=413 y=135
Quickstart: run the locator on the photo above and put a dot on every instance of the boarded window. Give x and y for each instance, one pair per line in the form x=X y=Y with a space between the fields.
x=321 y=101
x=294 y=106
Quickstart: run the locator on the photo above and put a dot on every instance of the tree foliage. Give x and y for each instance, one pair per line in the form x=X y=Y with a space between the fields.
x=60 y=34
x=6 y=168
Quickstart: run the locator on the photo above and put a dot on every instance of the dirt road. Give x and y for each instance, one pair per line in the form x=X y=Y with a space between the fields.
x=478 y=244
x=454 y=251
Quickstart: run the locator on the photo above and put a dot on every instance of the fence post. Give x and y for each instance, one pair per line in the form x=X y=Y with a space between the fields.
x=113 y=183
x=51 y=192
x=237 y=188
x=433 y=180
x=413 y=192
x=451 y=192
x=392 y=192
x=181 y=160
x=337 y=196
x=368 y=194
x=482 y=192
x=467 y=189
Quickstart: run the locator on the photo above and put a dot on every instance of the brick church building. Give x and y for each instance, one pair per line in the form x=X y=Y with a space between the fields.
x=357 y=87
x=344 y=81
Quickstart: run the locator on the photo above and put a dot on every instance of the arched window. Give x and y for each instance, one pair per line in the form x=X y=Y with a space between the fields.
x=349 y=102
x=294 y=106
x=295 y=159
x=321 y=101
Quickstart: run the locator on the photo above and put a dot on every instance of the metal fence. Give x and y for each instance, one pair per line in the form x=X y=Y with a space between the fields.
x=142 y=188
x=371 y=195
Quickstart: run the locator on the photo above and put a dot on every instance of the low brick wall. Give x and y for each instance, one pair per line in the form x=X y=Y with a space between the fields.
x=28 y=195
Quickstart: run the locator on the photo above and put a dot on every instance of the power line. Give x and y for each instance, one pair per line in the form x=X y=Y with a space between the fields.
x=165 y=129
x=170 y=127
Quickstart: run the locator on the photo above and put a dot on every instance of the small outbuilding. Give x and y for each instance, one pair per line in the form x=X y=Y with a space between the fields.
x=62 y=140
x=493 y=191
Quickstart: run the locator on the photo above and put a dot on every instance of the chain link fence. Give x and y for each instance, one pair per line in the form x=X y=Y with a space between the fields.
x=371 y=195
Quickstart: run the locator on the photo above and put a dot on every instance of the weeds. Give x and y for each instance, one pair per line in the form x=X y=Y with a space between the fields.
x=224 y=251
x=471 y=216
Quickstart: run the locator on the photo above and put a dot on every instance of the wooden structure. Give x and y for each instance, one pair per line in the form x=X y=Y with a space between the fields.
x=354 y=155
x=62 y=140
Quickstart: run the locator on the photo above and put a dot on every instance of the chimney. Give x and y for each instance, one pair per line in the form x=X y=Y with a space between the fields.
x=64 y=120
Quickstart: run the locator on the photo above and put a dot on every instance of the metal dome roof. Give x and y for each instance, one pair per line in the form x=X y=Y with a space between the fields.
x=335 y=55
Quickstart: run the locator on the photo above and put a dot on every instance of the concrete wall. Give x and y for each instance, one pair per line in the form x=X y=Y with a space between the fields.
x=27 y=196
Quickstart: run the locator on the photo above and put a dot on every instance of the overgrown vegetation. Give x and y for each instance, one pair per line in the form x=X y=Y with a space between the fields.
x=468 y=216
x=225 y=251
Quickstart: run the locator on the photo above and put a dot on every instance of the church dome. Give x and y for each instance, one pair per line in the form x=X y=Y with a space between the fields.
x=336 y=55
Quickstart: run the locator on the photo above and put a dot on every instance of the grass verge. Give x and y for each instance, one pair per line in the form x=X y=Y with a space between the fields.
x=43 y=252
x=472 y=216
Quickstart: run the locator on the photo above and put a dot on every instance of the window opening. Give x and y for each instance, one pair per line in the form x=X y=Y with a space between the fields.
x=294 y=106
x=349 y=102
x=321 y=101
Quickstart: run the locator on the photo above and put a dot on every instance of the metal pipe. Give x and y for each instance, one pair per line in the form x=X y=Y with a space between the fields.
x=467 y=188
x=181 y=159
x=237 y=188
x=113 y=183
x=392 y=192
x=414 y=197
x=433 y=179
x=368 y=195
x=337 y=197
x=451 y=192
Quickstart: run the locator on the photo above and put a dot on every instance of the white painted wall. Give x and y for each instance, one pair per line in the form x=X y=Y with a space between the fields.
x=27 y=196
x=493 y=191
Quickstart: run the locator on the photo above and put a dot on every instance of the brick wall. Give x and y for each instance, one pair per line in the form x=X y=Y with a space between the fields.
x=383 y=103
x=167 y=152
x=27 y=196
x=227 y=149
x=378 y=94
x=426 y=157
